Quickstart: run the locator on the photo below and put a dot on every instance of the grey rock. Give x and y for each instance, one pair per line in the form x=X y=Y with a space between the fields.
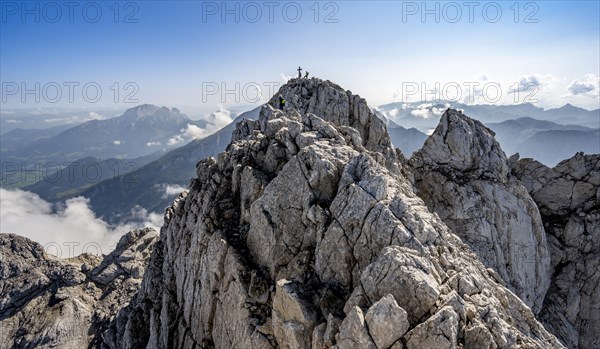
x=353 y=332
x=387 y=322
x=410 y=278
x=568 y=196
x=49 y=302
x=439 y=331
x=293 y=318
x=463 y=176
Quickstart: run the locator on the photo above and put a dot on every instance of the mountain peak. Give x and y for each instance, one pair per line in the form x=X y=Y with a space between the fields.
x=146 y=110
x=568 y=107
x=462 y=144
x=141 y=110
x=148 y=114
x=332 y=103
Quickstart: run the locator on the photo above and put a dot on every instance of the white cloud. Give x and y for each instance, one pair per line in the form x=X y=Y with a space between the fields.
x=68 y=120
x=193 y=131
x=94 y=116
x=220 y=118
x=175 y=140
x=146 y=219
x=6 y=112
x=215 y=120
x=421 y=113
x=117 y=142
x=12 y=121
x=427 y=110
x=187 y=134
x=59 y=226
x=422 y=110
x=439 y=111
x=590 y=86
x=170 y=190
x=528 y=83
x=153 y=144
x=543 y=90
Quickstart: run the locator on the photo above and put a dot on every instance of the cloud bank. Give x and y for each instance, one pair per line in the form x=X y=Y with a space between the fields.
x=65 y=230
x=590 y=86
x=215 y=121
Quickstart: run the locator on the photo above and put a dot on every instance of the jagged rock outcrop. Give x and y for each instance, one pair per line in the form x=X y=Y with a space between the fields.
x=568 y=196
x=306 y=233
x=462 y=175
x=49 y=302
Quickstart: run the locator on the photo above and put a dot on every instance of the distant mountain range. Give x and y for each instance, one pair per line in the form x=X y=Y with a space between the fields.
x=407 y=140
x=146 y=187
x=72 y=180
x=128 y=135
x=17 y=138
x=425 y=116
x=138 y=132
x=545 y=141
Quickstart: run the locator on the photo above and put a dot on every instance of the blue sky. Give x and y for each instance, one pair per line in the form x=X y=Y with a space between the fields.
x=374 y=48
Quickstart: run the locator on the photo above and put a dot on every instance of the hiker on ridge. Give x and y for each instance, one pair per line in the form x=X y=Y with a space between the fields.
x=281 y=102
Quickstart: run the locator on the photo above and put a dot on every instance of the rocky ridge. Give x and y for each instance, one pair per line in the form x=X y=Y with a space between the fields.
x=51 y=302
x=568 y=196
x=307 y=232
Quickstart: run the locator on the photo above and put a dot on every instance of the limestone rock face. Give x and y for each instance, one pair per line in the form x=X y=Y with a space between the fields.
x=568 y=196
x=387 y=322
x=439 y=331
x=350 y=112
x=48 y=302
x=306 y=233
x=462 y=175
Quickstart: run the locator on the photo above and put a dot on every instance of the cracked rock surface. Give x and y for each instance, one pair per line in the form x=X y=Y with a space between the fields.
x=307 y=233
x=462 y=175
x=50 y=302
x=568 y=196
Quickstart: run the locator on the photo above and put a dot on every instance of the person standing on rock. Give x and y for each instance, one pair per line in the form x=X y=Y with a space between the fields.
x=281 y=102
x=306 y=74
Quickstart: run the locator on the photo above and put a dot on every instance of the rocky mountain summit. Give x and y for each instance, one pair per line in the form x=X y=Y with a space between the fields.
x=51 y=302
x=312 y=231
x=307 y=233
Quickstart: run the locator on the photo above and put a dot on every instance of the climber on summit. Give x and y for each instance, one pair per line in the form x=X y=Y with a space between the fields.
x=299 y=73
x=281 y=102
x=306 y=74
